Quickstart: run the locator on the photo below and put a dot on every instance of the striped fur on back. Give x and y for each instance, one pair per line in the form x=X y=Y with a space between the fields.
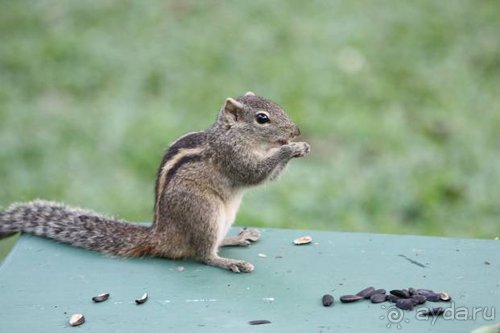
x=186 y=149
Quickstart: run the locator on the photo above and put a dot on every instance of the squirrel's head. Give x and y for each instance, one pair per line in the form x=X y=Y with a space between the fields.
x=260 y=119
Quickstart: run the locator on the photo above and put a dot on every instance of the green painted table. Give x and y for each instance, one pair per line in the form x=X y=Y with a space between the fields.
x=42 y=283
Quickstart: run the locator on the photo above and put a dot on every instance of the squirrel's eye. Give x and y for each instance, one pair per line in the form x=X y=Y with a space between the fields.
x=262 y=118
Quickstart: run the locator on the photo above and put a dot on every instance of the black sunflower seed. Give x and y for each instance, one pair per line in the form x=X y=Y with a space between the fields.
x=100 y=298
x=404 y=304
x=419 y=299
x=259 y=322
x=350 y=298
x=403 y=293
x=378 y=298
x=379 y=291
x=366 y=293
x=327 y=300
x=433 y=297
x=392 y=298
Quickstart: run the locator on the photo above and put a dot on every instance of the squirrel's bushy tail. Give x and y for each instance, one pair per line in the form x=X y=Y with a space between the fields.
x=75 y=226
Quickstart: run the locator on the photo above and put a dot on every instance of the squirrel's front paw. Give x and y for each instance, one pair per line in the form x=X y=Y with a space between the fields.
x=299 y=149
x=250 y=235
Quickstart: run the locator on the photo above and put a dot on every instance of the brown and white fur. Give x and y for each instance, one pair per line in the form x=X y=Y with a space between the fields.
x=200 y=183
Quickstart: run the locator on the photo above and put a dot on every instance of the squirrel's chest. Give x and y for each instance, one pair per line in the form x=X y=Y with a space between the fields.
x=228 y=213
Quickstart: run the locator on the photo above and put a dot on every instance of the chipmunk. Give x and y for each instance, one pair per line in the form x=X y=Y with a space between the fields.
x=200 y=183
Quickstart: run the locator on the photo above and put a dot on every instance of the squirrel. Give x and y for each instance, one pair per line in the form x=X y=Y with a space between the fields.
x=199 y=186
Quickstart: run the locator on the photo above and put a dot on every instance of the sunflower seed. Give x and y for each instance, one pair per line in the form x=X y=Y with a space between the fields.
x=76 y=319
x=350 y=298
x=378 y=298
x=392 y=298
x=327 y=300
x=425 y=292
x=366 y=293
x=400 y=293
x=378 y=291
x=100 y=298
x=419 y=299
x=444 y=297
x=404 y=304
x=303 y=240
x=433 y=297
x=430 y=295
x=143 y=299
x=259 y=322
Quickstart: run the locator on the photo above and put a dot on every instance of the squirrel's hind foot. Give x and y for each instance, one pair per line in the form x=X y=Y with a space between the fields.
x=237 y=266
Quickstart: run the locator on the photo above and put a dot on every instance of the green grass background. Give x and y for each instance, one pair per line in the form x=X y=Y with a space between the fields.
x=399 y=100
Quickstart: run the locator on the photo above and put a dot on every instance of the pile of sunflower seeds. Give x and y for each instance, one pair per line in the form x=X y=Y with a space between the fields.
x=404 y=299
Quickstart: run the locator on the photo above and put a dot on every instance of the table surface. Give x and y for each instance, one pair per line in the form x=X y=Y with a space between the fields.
x=43 y=282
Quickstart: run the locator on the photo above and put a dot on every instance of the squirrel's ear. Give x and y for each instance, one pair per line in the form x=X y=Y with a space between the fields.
x=231 y=111
x=249 y=93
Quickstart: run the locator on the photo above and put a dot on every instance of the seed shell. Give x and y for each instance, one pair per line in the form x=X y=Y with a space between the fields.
x=303 y=240
x=259 y=322
x=392 y=298
x=379 y=291
x=76 y=319
x=404 y=304
x=444 y=297
x=327 y=300
x=366 y=293
x=378 y=298
x=433 y=297
x=350 y=298
x=400 y=293
x=142 y=300
x=419 y=299
x=100 y=298
x=430 y=295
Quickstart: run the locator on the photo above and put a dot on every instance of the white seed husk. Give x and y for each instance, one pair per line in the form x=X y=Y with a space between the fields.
x=143 y=299
x=76 y=319
x=303 y=240
x=444 y=296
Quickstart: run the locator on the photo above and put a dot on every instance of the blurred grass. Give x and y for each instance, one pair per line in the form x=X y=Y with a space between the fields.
x=399 y=101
